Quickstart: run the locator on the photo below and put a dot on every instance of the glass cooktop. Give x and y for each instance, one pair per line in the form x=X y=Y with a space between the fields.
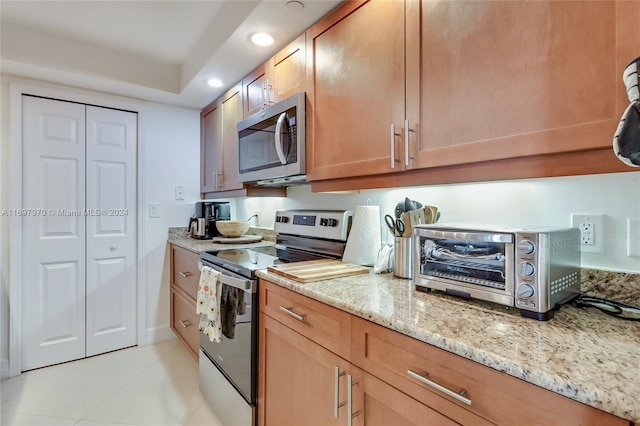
x=242 y=261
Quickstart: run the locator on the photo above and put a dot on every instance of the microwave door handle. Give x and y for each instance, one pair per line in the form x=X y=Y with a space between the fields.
x=278 y=138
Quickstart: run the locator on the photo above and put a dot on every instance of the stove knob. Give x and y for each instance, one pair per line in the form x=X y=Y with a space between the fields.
x=525 y=290
x=278 y=219
x=526 y=269
x=284 y=219
x=526 y=247
x=323 y=222
x=332 y=222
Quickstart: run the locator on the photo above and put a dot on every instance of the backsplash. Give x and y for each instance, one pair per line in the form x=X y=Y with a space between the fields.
x=534 y=202
x=620 y=286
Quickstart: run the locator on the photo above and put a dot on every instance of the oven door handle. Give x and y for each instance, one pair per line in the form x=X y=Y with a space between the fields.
x=225 y=278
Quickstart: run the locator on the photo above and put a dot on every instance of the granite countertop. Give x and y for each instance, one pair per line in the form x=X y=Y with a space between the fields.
x=180 y=237
x=582 y=354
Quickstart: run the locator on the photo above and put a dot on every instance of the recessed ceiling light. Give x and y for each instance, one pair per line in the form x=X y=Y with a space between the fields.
x=294 y=7
x=214 y=82
x=262 y=39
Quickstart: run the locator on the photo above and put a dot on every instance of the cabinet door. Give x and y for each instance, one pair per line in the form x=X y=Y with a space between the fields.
x=288 y=73
x=297 y=379
x=210 y=147
x=378 y=404
x=356 y=65
x=231 y=110
x=254 y=91
x=513 y=79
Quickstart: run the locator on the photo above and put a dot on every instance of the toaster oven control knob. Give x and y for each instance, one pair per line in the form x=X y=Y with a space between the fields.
x=525 y=290
x=526 y=247
x=526 y=269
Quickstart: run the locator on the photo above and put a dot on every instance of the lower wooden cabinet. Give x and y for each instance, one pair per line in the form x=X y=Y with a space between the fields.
x=301 y=382
x=183 y=292
x=480 y=392
x=297 y=379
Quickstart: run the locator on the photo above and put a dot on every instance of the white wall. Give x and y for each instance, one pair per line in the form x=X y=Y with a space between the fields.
x=171 y=156
x=170 y=153
x=547 y=201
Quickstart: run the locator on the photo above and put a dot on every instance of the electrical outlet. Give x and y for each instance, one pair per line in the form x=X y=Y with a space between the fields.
x=179 y=192
x=591 y=231
x=586 y=233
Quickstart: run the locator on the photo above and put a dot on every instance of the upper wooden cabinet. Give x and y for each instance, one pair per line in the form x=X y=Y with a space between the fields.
x=356 y=61
x=231 y=111
x=288 y=70
x=210 y=147
x=411 y=85
x=511 y=79
x=276 y=79
x=219 y=143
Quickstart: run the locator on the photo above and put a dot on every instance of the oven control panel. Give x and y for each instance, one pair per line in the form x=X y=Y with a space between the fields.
x=329 y=224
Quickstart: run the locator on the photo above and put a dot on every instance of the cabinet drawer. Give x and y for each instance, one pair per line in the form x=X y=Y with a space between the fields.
x=495 y=396
x=184 y=321
x=327 y=326
x=184 y=270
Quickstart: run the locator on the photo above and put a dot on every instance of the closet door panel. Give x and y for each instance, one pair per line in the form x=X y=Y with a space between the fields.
x=53 y=287
x=111 y=239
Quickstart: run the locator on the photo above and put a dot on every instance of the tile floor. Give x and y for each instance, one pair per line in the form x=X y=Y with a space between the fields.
x=149 y=385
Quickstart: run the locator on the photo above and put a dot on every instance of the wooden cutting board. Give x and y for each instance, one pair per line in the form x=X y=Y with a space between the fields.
x=317 y=270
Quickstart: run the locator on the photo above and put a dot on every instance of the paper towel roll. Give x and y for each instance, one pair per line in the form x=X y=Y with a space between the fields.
x=364 y=240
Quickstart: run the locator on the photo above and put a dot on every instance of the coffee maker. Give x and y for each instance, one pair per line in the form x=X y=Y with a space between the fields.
x=203 y=225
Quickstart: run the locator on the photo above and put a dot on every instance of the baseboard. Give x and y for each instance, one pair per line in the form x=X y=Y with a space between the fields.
x=160 y=334
x=4 y=369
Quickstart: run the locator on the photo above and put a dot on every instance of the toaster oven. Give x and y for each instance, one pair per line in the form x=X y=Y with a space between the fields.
x=531 y=268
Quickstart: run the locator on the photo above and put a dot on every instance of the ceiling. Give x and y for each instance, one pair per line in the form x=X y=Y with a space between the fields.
x=156 y=50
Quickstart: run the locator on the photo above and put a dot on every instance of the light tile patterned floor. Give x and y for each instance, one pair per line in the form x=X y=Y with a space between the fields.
x=149 y=385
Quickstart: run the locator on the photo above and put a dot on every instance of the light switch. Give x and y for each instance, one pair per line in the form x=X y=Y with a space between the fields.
x=154 y=209
x=633 y=236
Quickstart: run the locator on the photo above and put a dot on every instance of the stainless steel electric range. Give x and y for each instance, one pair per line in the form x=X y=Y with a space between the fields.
x=229 y=369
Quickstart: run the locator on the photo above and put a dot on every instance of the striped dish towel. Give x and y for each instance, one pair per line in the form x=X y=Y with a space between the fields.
x=208 y=303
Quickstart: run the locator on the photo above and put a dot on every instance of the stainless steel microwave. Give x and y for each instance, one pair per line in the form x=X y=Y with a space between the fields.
x=271 y=144
x=534 y=269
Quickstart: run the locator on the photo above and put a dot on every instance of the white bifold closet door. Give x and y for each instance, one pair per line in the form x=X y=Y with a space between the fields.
x=79 y=272
x=111 y=229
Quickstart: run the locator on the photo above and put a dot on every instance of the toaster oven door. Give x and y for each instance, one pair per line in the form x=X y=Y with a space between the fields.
x=472 y=264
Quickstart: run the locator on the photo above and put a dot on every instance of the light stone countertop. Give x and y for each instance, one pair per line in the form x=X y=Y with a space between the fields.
x=180 y=238
x=582 y=354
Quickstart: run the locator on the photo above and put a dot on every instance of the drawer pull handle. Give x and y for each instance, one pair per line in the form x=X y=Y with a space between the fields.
x=185 y=323
x=457 y=395
x=289 y=312
x=185 y=274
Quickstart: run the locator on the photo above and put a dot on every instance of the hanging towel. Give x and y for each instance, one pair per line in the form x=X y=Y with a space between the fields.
x=232 y=304
x=208 y=303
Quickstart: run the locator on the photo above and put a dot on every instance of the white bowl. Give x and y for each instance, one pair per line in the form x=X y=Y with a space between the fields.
x=232 y=228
